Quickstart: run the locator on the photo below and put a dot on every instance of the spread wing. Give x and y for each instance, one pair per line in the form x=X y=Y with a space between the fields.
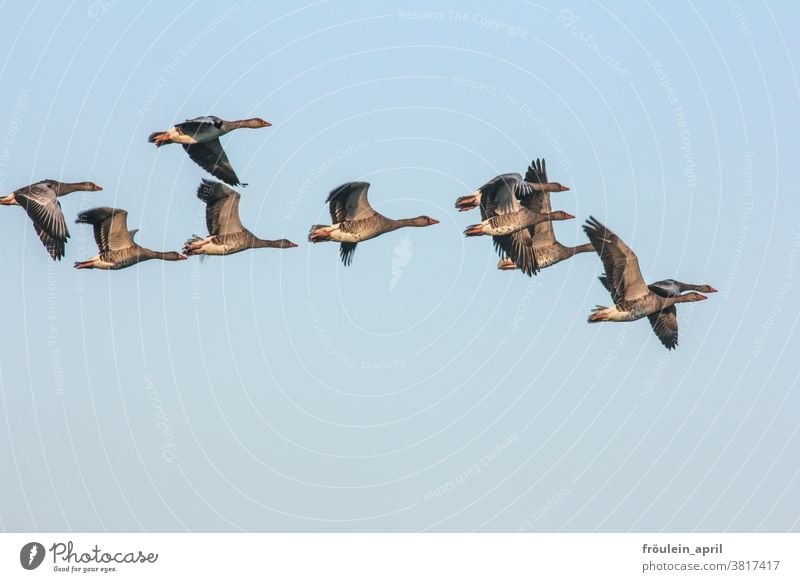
x=665 y=325
x=43 y=208
x=211 y=157
x=110 y=228
x=349 y=202
x=537 y=172
x=222 y=207
x=501 y=195
x=518 y=246
x=622 y=267
x=539 y=202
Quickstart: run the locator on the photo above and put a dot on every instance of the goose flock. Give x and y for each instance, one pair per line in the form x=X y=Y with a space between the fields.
x=516 y=212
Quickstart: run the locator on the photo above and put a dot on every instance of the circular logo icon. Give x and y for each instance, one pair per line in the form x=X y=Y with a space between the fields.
x=31 y=555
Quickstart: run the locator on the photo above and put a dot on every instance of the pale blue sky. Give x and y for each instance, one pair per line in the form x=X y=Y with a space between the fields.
x=419 y=389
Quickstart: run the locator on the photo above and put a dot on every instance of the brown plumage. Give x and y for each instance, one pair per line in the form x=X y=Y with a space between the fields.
x=227 y=233
x=117 y=247
x=632 y=297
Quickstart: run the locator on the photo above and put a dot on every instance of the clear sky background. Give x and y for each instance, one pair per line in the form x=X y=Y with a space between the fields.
x=420 y=388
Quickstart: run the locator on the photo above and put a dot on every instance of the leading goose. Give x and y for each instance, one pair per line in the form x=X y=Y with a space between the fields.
x=354 y=220
x=508 y=210
x=200 y=138
x=115 y=241
x=632 y=298
x=40 y=201
x=227 y=234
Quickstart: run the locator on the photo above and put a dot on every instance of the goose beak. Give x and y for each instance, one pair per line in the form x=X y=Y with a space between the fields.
x=292 y=245
x=265 y=123
x=182 y=257
x=568 y=216
x=564 y=189
x=432 y=221
x=702 y=298
x=96 y=188
x=709 y=289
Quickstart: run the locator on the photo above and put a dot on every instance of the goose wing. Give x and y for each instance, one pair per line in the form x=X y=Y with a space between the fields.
x=210 y=156
x=622 y=274
x=346 y=251
x=501 y=195
x=543 y=233
x=518 y=246
x=110 y=228
x=665 y=326
x=349 y=202
x=198 y=125
x=222 y=207
x=43 y=208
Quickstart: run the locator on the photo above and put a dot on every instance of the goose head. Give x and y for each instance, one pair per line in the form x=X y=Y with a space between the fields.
x=173 y=256
x=559 y=215
x=691 y=297
x=257 y=122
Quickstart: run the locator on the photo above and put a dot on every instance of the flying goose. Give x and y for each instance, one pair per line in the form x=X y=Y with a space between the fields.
x=547 y=250
x=354 y=220
x=507 y=212
x=227 y=234
x=200 y=138
x=115 y=241
x=40 y=202
x=538 y=183
x=632 y=298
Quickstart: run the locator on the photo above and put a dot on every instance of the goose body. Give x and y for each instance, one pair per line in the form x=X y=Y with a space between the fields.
x=117 y=247
x=633 y=299
x=354 y=220
x=200 y=138
x=227 y=235
x=40 y=201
